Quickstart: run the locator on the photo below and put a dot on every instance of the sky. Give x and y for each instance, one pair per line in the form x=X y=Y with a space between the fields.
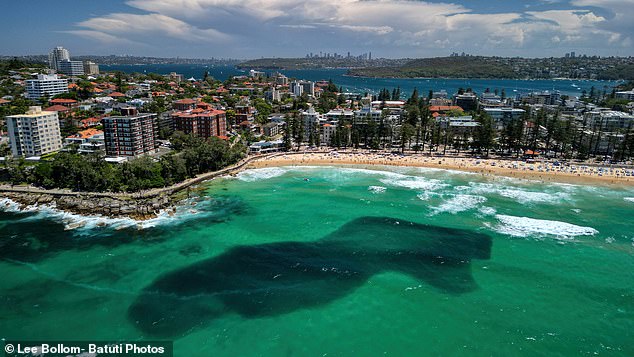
x=292 y=28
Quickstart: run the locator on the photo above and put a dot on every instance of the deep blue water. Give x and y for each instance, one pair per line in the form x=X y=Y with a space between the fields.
x=373 y=85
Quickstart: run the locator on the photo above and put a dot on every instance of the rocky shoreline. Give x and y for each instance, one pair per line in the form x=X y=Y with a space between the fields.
x=139 y=206
x=87 y=205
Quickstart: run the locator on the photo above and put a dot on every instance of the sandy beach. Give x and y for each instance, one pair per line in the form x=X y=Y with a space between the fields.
x=541 y=171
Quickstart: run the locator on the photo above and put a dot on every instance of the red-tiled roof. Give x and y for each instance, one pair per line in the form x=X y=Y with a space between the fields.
x=443 y=108
x=117 y=94
x=4 y=101
x=185 y=101
x=90 y=121
x=57 y=108
x=62 y=101
x=88 y=133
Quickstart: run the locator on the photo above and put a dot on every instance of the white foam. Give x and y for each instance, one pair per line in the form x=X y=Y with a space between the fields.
x=414 y=183
x=377 y=189
x=425 y=196
x=629 y=199
x=459 y=203
x=527 y=227
x=528 y=197
x=520 y=195
x=487 y=211
x=261 y=174
x=8 y=205
x=80 y=223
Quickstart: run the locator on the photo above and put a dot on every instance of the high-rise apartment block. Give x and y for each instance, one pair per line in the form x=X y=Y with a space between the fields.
x=35 y=133
x=70 y=68
x=56 y=55
x=91 y=68
x=131 y=135
x=45 y=85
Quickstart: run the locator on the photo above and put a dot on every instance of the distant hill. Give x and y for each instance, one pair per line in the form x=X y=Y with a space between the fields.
x=611 y=68
x=624 y=71
x=450 y=67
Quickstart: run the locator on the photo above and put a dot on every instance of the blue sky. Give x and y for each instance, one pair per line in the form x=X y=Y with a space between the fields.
x=283 y=28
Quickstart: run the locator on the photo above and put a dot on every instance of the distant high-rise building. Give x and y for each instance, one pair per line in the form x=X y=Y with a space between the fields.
x=296 y=88
x=281 y=79
x=308 y=87
x=300 y=87
x=130 y=135
x=35 y=133
x=56 y=55
x=45 y=85
x=370 y=56
x=572 y=54
x=91 y=68
x=70 y=68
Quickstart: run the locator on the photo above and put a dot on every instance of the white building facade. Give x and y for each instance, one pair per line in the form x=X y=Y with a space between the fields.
x=91 y=68
x=56 y=55
x=70 y=68
x=45 y=85
x=35 y=133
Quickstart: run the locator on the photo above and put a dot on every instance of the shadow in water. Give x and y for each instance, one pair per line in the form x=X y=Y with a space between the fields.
x=277 y=278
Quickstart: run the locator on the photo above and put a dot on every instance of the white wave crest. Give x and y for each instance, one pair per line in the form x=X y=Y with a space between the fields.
x=8 y=205
x=459 y=203
x=85 y=223
x=487 y=211
x=520 y=195
x=629 y=199
x=526 y=227
x=415 y=183
x=261 y=174
x=523 y=196
x=377 y=189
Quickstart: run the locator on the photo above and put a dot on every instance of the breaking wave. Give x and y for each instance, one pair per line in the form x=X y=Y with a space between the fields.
x=72 y=221
x=531 y=227
x=459 y=203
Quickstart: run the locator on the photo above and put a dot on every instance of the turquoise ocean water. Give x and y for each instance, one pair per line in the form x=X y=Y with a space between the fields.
x=374 y=85
x=337 y=261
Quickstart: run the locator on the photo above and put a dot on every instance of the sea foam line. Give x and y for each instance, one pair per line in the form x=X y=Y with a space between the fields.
x=526 y=227
x=73 y=221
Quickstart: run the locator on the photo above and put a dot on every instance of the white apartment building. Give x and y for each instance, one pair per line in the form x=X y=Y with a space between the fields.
x=328 y=130
x=91 y=68
x=45 y=84
x=608 y=120
x=35 y=133
x=56 y=55
x=627 y=95
x=300 y=87
x=296 y=89
x=70 y=68
x=310 y=121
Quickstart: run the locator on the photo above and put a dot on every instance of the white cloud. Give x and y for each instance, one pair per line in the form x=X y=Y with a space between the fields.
x=396 y=27
x=121 y=24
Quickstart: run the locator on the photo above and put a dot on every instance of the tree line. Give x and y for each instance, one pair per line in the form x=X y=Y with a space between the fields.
x=536 y=131
x=69 y=170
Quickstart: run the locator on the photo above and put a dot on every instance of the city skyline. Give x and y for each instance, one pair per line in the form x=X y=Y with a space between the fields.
x=292 y=28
